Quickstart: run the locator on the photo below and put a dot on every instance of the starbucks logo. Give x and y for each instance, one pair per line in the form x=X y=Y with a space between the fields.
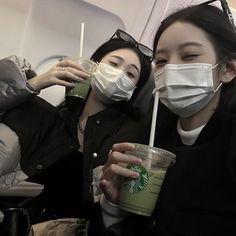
x=137 y=185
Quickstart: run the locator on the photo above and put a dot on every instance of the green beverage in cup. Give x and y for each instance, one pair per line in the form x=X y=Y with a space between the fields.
x=81 y=89
x=140 y=195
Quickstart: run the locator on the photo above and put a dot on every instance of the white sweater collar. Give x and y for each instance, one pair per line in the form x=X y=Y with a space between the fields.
x=190 y=136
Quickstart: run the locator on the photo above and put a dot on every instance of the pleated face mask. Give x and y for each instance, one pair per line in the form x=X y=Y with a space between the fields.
x=186 y=88
x=111 y=84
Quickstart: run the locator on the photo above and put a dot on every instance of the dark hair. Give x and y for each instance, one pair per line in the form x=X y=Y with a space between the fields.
x=221 y=32
x=115 y=44
x=217 y=27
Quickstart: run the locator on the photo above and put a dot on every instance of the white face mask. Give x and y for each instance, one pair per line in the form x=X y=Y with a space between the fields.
x=111 y=84
x=186 y=88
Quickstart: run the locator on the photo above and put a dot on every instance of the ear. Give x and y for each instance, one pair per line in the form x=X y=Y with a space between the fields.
x=229 y=71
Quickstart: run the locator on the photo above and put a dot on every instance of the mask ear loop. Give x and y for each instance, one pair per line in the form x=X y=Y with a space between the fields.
x=218 y=87
x=213 y=67
x=218 y=63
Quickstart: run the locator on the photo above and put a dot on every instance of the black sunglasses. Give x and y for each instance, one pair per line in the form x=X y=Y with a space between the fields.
x=225 y=9
x=128 y=38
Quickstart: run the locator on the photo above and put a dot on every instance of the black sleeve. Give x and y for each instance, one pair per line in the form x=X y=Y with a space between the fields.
x=42 y=134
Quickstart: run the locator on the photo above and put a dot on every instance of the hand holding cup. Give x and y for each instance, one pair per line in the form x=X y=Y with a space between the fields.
x=115 y=169
x=140 y=195
x=133 y=175
x=65 y=73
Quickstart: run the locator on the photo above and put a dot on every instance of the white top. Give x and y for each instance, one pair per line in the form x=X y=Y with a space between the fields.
x=189 y=137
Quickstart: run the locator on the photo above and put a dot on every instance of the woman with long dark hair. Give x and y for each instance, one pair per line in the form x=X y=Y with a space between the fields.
x=61 y=148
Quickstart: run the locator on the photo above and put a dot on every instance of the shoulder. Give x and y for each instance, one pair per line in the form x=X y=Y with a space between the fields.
x=228 y=97
x=36 y=105
x=35 y=113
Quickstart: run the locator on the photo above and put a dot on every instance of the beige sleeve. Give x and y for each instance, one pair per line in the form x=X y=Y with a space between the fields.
x=10 y=171
x=13 y=88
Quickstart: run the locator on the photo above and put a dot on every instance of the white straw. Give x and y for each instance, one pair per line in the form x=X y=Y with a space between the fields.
x=81 y=40
x=154 y=117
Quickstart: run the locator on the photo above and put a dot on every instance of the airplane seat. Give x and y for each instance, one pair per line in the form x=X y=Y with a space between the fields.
x=145 y=97
x=14 y=218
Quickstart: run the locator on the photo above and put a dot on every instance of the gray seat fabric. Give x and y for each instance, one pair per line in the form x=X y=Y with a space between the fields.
x=144 y=100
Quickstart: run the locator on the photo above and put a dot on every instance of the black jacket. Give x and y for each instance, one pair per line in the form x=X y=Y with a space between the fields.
x=42 y=134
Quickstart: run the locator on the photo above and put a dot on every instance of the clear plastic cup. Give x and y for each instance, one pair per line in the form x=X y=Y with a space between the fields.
x=140 y=195
x=81 y=89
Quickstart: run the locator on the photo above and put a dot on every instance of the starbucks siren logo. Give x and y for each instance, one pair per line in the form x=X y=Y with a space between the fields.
x=137 y=185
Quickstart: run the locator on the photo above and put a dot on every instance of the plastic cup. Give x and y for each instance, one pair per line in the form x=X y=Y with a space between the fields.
x=81 y=89
x=140 y=195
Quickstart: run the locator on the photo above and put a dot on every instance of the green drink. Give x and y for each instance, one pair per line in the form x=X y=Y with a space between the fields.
x=140 y=195
x=81 y=89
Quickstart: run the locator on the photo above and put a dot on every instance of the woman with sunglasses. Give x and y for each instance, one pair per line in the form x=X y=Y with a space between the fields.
x=195 y=77
x=63 y=150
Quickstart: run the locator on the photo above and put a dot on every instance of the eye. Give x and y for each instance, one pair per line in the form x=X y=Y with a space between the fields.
x=131 y=75
x=159 y=62
x=190 y=57
x=113 y=63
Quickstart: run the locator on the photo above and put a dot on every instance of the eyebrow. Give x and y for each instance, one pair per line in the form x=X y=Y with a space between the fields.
x=190 y=44
x=120 y=58
x=180 y=47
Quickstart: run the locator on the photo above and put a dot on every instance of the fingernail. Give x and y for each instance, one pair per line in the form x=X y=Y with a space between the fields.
x=138 y=160
x=135 y=175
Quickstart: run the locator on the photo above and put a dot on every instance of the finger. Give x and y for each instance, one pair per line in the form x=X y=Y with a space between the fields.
x=68 y=76
x=72 y=64
x=104 y=184
x=62 y=67
x=108 y=190
x=77 y=72
x=116 y=157
x=63 y=83
x=107 y=186
x=122 y=147
x=115 y=170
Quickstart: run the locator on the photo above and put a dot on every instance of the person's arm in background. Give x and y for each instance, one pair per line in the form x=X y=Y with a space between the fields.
x=14 y=72
x=20 y=111
x=18 y=82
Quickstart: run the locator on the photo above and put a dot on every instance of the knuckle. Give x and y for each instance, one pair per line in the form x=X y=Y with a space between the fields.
x=112 y=167
x=115 y=155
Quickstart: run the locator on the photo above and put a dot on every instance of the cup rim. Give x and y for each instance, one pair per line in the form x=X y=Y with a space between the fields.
x=156 y=149
x=75 y=58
